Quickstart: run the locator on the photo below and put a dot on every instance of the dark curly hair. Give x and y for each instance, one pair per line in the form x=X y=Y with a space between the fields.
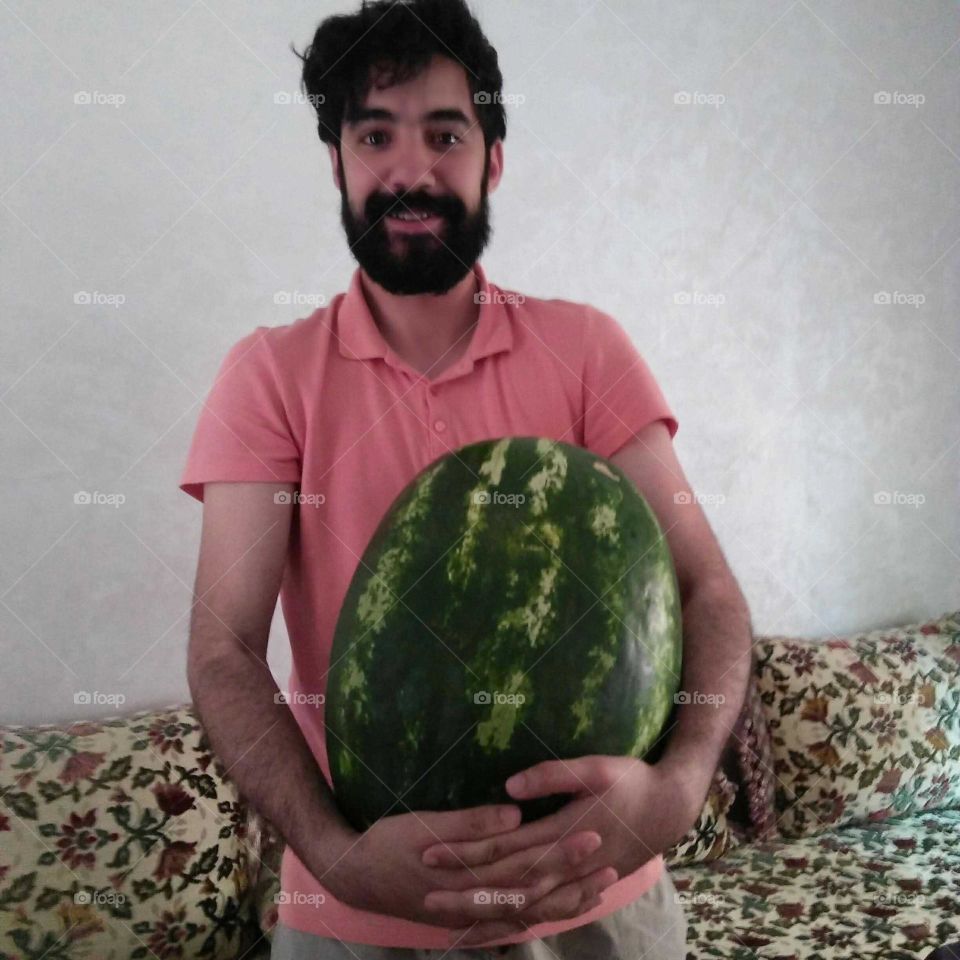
x=400 y=37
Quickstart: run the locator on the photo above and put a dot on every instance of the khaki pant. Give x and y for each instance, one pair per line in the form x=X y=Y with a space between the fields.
x=653 y=927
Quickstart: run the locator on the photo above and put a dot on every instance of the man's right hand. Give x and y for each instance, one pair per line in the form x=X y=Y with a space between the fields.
x=381 y=870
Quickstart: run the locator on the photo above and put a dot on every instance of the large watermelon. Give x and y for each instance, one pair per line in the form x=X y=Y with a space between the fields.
x=517 y=603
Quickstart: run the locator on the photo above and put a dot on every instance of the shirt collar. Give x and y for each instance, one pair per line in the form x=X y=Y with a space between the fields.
x=360 y=337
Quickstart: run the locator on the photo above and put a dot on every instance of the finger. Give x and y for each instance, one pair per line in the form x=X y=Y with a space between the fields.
x=538 y=870
x=569 y=899
x=559 y=776
x=550 y=860
x=500 y=849
x=487 y=849
x=480 y=903
x=566 y=903
x=470 y=823
x=491 y=902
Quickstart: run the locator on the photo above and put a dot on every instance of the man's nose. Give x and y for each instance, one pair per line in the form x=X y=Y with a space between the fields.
x=411 y=167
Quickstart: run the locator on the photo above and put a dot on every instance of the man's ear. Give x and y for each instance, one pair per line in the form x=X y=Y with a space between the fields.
x=496 y=165
x=336 y=166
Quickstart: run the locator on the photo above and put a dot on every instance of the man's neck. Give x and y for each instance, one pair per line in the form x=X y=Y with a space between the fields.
x=429 y=331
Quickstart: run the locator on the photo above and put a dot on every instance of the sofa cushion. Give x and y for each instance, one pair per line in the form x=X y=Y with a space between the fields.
x=890 y=889
x=864 y=727
x=711 y=836
x=120 y=838
x=752 y=769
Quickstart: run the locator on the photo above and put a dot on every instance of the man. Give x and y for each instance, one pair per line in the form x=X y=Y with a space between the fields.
x=309 y=433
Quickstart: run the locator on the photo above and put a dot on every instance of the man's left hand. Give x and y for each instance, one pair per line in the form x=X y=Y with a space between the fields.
x=637 y=809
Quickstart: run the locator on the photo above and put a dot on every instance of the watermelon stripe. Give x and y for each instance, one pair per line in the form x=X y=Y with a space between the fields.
x=540 y=617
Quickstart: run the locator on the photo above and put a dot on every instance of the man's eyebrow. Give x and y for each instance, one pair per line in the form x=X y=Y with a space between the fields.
x=448 y=114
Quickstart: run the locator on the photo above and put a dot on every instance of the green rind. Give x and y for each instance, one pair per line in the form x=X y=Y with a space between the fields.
x=571 y=602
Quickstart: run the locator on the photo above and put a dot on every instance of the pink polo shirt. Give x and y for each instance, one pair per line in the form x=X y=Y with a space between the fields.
x=325 y=402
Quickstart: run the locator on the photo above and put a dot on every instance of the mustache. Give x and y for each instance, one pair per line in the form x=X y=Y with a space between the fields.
x=379 y=205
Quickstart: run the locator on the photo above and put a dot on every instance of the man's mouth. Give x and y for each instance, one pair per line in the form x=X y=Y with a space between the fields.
x=415 y=220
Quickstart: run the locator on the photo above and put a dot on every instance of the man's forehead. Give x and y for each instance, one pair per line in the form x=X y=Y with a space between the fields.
x=442 y=84
x=381 y=114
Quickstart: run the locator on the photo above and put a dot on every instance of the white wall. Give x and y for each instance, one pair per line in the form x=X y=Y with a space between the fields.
x=795 y=201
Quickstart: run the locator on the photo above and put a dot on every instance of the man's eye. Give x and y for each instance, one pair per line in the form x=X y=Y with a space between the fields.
x=453 y=140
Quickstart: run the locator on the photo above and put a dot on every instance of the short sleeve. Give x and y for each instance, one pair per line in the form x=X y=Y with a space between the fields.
x=620 y=394
x=243 y=433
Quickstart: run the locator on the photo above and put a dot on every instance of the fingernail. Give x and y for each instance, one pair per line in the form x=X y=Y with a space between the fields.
x=517 y=783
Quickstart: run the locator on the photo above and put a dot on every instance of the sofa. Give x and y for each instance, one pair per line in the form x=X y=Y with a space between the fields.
x=831 y=829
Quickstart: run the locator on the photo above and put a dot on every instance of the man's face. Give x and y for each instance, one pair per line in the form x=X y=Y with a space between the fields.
x=417 y=146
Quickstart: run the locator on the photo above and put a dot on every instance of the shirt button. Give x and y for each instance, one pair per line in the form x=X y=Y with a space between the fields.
x=439 y=425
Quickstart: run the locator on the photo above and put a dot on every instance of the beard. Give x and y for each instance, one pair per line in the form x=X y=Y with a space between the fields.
x=414 y=263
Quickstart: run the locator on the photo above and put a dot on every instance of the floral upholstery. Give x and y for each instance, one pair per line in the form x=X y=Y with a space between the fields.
x=889 y=890
x=712 y=835
x=865 y=727
x=120 y=839
x=754 y=775
x=124 y=839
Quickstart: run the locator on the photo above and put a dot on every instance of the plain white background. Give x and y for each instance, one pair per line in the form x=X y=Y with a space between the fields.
x=765 y=194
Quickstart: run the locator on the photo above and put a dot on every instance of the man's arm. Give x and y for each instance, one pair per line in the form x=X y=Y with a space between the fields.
x=717 y=633
x=242 y=556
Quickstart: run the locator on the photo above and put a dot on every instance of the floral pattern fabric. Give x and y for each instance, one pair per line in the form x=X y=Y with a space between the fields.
x=863 y=728
x=121 y=839
x=755 y=777
x=889 y=889
x=712 y=835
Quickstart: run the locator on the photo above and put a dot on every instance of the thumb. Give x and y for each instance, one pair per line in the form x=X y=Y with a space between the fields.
x=579 y=775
